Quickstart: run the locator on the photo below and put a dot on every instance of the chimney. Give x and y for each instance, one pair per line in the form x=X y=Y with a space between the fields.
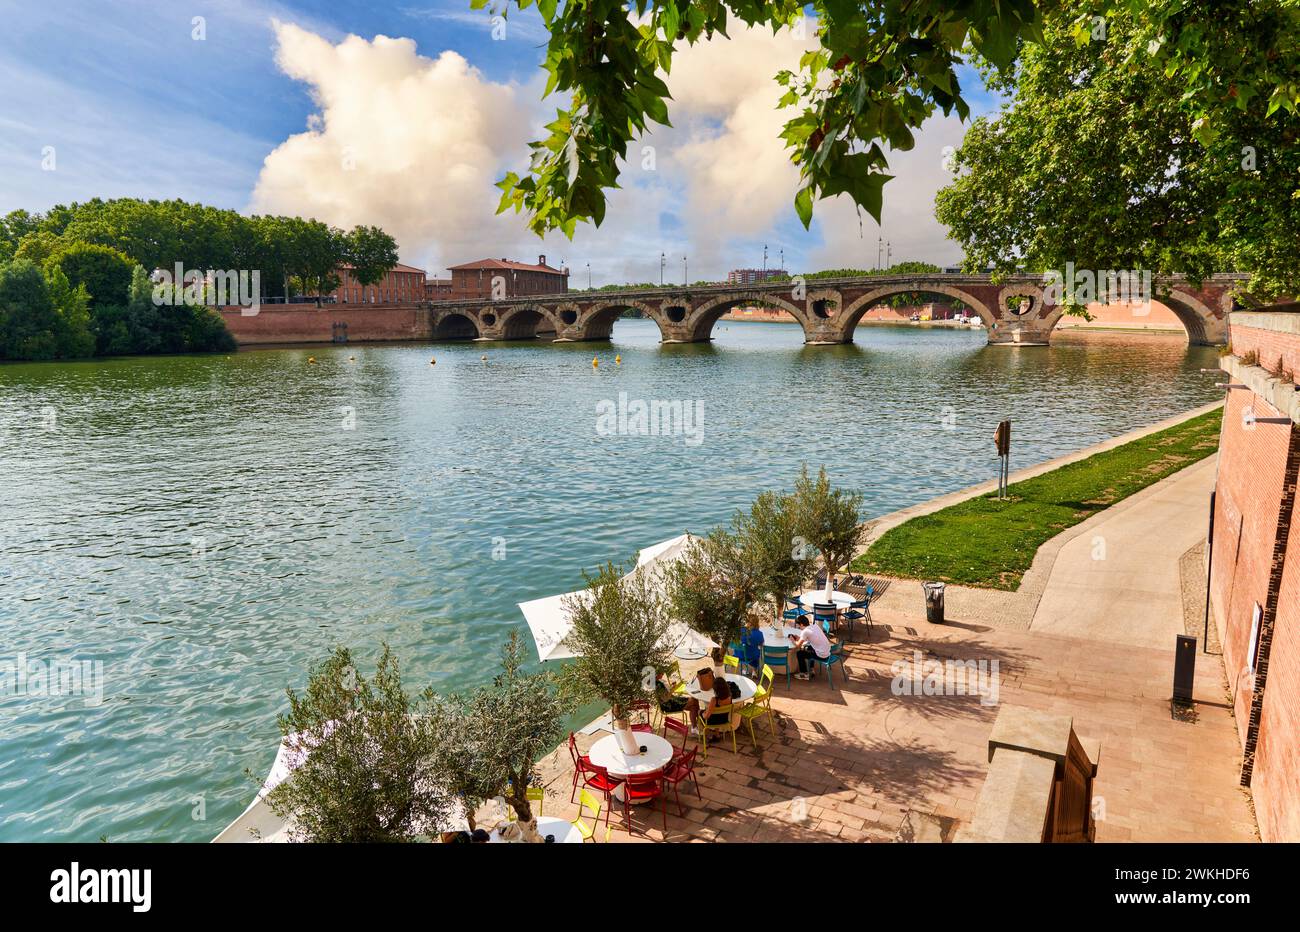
x=541 y=260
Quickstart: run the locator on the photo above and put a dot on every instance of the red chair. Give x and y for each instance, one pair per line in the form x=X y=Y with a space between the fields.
x=679 y=769
x=681 y=728
x=597 y=778
x=580 y=766
x=641 y=716
x=643 y=788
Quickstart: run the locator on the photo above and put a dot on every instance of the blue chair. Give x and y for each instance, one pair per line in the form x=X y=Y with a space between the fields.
x=794 y=614
x=836 y=656
x=858 y=611
x=824 y=615
x=778 y=658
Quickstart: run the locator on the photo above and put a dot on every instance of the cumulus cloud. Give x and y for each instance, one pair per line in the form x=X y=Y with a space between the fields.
x=416 y=144
x=410 y=143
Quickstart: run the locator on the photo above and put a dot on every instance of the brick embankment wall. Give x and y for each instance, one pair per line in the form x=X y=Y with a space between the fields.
x=306 y=323
x=1256 y=570
x=1152 y=316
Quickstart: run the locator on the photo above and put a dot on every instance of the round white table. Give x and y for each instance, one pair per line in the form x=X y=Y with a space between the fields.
x=775 y=638
x=566 y=833
x=609 y=754
x=813 y=597
x=745 y=684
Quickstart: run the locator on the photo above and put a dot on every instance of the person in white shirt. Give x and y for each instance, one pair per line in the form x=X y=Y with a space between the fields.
x=811 y=640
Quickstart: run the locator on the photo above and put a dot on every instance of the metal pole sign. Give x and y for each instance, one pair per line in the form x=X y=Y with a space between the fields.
x=1002 y=439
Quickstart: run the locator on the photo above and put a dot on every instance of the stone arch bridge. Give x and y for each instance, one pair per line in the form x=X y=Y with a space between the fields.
x=1014 y=309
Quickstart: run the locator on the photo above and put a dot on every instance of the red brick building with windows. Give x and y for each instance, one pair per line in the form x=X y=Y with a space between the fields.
x=473 y=280
x=1255 y=576
x=402 y=284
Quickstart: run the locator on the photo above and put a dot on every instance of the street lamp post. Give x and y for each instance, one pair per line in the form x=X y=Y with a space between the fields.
x=588 y=276
x=765 y=260
x=880 y=244
x=684 y=281
x=663 y=260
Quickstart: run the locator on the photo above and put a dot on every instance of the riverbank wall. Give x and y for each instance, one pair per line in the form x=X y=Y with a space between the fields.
x=331 y=323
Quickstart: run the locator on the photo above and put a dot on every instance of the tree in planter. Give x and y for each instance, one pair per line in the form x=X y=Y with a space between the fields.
x=713 y=587
x=618 y=632
x=827 y=519
x=490 y=739
x=367 y=774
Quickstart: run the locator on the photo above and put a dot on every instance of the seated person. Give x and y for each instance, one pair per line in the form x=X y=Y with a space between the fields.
x=751 y=645
x=721 y=699
x=671 y=704
x=811 y=641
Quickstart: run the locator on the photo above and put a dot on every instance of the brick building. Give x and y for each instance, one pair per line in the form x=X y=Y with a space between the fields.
x=751 y=276
x=403 y=284
x=472 y=280
x=1255 y=577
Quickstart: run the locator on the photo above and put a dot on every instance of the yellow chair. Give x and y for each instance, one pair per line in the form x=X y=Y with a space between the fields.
x=731 y=662
x=761 y=705
x=535 y=794
x=676 y=679
x=588 y=802
x=732 y=723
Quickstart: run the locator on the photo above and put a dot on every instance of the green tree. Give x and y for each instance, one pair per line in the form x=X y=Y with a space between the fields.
x=1102 y=156
x=828 y=520
x=104 y=271
x=314 y=253
x=880 y=70
x=489 y=740
x=368 y=772
x=617 y=630
x=38 y=246
x=371 y=252
x=42 y=317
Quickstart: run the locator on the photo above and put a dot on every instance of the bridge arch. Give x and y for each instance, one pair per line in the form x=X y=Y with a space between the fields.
x=454 y=325
x=705 y=317
x=597 y=322
x=528 y=322
x=847 y=320
x=1203 y=326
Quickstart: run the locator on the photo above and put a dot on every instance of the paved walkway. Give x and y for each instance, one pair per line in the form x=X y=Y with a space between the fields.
x=1117 y=579
x=865 y=761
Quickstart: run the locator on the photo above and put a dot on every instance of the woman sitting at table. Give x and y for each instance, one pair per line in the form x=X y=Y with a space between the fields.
x=751 y=645
x=721 y=699
x=671 y=704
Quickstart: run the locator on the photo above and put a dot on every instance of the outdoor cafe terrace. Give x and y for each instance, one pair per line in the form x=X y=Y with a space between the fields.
x=874 y=758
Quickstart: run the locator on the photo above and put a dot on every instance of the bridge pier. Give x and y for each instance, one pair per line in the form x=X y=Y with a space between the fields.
x=1019 y=333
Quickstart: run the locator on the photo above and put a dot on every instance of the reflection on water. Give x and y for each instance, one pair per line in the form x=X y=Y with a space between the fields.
x=208 y=526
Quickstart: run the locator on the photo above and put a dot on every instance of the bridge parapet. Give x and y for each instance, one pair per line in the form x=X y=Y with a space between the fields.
x=1014 y=309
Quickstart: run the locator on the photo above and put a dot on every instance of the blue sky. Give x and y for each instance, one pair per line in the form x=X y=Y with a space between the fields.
x=133 y=105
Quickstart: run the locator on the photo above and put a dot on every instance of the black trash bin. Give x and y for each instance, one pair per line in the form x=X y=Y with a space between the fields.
x=933 y=602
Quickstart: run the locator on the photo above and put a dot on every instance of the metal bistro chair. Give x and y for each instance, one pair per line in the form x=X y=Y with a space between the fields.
x=825 y=615
x=778 y=658
x=836 y=656
x=860 y=611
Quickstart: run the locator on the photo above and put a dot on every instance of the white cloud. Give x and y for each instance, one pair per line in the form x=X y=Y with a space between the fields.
x=428 y=137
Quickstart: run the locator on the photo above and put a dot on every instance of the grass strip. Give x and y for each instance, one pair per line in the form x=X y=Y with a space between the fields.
x=989 y=543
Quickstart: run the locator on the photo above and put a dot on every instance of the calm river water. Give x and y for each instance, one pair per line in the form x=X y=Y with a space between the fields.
x=208 y=527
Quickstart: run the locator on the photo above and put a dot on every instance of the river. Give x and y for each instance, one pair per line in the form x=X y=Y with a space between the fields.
x=208 y=527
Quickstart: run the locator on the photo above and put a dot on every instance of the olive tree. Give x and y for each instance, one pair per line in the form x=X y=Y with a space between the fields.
x=827 y=520
x=618 y=628
x=364 y=757
x=490 y=740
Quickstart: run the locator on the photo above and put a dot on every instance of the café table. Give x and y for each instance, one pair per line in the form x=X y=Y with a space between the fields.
x=565 y=832
x=608 y=753
x=774 y=638
x=841 y=600
x=744 y=683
